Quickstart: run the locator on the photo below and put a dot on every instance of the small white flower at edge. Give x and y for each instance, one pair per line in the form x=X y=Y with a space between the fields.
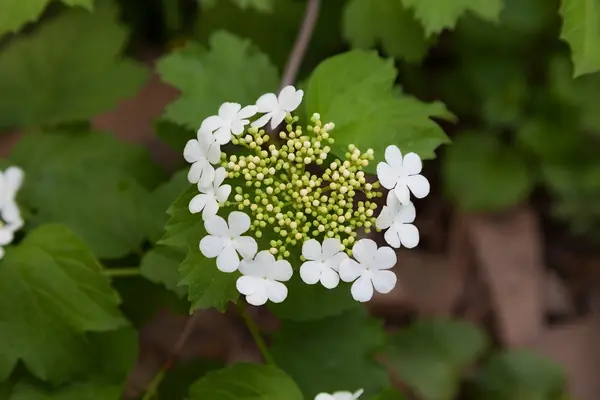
x=401 y=174
x=10 y=183
x=322 y=262
x=370 y=269
x=201 y=153
x=231 y=120
x=276 y=107
x=210 y=196
x=225 y=241
x=262 y=277
x=397 y=219
x=340 y=395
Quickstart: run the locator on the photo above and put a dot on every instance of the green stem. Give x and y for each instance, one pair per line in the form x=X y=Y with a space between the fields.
x=260 y=343
x=122 y=272
x=152 y=388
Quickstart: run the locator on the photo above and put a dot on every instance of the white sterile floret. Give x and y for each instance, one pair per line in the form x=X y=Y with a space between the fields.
x=322 y=262
x=262 y=277
x=231 y=120
x=10 y=215
x=397 y=219
x=340 y=395
x=370 y=269
x=276 y=107
x=201 y=153
x=225 y=240
x=210 y=196
x=401 y=174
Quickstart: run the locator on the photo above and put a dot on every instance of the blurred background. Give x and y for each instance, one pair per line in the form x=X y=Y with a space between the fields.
x=510 y=234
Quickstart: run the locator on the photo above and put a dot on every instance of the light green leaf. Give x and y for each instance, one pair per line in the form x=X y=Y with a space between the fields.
x=259 y=5
x=366 y=23
x=161 y=265
x=437 y=15
x=233 y=70
x=53 y=291
x=332 y=354
x=431 y=356
x=519 y=375
x=581 y=30
x=481 y=174
x=90 y=182
x=70 y=69
x=246 y=382
x=355 y=91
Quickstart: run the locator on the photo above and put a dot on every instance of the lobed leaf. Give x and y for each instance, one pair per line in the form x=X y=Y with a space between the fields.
x=581 y=30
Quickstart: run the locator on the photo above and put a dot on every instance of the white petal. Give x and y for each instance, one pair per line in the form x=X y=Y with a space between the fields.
x=6 y=235
x=419 y=185
x=350 y=270
x=222 y=193
x=362 y=289
x=262 y=121
x=246 y=246
x=311 y=249
x=335 y=261
x=385 y=218
x=247 y=112
x=402 y=193
x=258 y=298
x=238 y=222
x=329 y=278
x=248 y=284
x=220 y=175
x=216 y=226
x=211 y=246
x=1 y=252
x=280 y=270
x=412 y=164
x=357 y=394
x=252 y=268
x=211 y=208
x=364 y=250
x=324 y=396
x=393 y=156
x=223 y=135
x=391 y=237
x=228 y=111
x=310 y=272
x=237 y=126
x=331 y=246
x=393 y=203
x=278 y=117
x=406 y=214
x=205 y=139
x=409 y=235
x=228 y=260
x=385 y=258
x=386 y=175
x=192 y=151
x=384 y=281
x=11 y=214
x=212 y=123
x=198 y=202
x=201 y=173
x=265 y=259
x=214 y=153
x=267 y=103
x=276 y=291
x=289 y=99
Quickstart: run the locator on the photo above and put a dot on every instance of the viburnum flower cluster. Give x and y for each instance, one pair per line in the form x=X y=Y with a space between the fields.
x=284 y=193
x=10 y=216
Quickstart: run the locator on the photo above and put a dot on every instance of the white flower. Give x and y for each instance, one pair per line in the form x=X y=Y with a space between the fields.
x=210 y=197
x=402 y=174
x=201 y=153
x=225 y=241
x=340 y=395
x=371 y=268
x=10 y=215
x=231 y=120
x=262 y=277
x=323 y=262
x=398 y=218
x=276 y=108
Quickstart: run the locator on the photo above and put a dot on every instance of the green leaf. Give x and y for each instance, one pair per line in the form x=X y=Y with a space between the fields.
x=161 y=264
x=581 y=30
x=437 y=15
x=369 y=22
x=390 y=394
x=179 y=378
x=53 y=291
x=90 y=182
x=70 y=69
x=332 y=354
x=355 y=91
x=519 y=375
x=233 y=70
x=77 y=391
x=480 y=173
x=431 y=356
x=258 y=5
x=176 y=136
x=246 y=382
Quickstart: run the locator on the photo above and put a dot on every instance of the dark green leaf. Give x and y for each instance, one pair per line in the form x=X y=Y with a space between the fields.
x=161 y=265
x=159 y=202
x=179 y=378
x=390 y=394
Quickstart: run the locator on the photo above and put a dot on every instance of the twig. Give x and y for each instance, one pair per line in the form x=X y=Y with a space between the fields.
x=302 y=40
x=260 y=343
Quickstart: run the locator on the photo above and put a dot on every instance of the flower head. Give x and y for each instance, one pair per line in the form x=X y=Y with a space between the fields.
x=225 y=240
x=210 y=196
x=340 y=395
x=10 y=215
x=231 y=120
x=370 y=269
x=397 y=219
x=201 y=153
x=402 y=174
x=323 y=262
x=277 y=107
x=262 y=277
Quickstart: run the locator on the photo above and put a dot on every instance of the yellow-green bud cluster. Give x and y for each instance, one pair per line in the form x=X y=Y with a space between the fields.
x=283 y=193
